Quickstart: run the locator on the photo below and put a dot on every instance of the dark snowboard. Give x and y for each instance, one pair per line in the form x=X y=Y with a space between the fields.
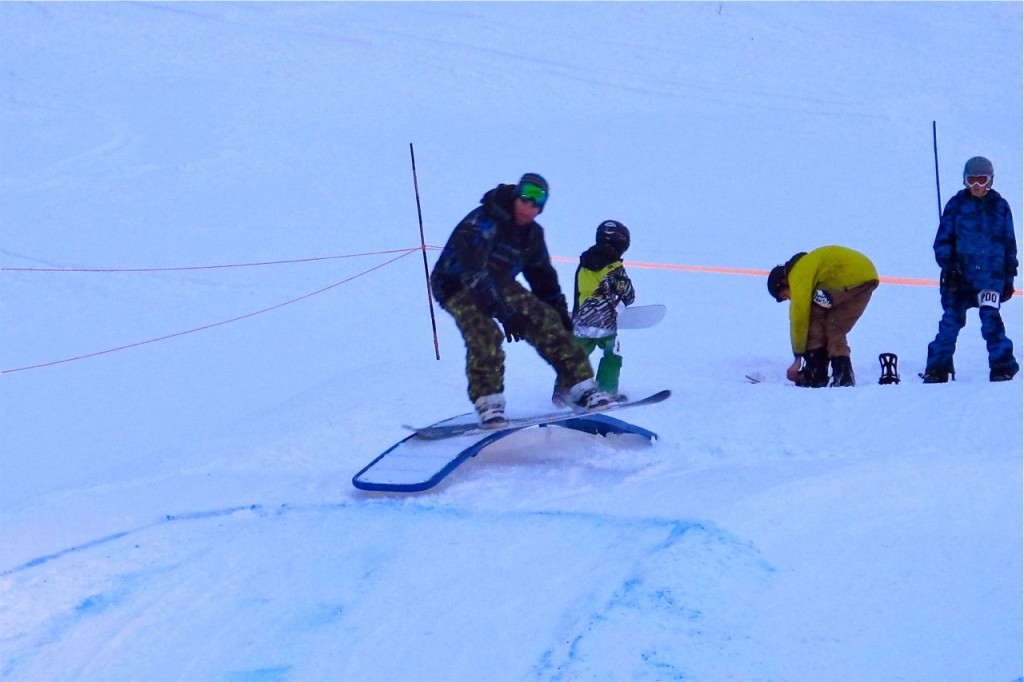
x=442 y=430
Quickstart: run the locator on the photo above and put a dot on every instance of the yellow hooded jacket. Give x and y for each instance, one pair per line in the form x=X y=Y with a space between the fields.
x=826 y=268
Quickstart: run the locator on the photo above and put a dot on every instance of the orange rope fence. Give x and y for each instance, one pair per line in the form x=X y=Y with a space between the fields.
x=906 y=281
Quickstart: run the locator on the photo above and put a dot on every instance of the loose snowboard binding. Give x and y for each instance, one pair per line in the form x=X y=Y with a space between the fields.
x=890 y=373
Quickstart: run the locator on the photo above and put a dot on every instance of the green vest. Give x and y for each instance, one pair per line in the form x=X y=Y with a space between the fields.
x=587 y=281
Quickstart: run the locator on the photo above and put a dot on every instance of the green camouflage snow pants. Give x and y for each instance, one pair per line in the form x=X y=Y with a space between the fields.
x=485 y=356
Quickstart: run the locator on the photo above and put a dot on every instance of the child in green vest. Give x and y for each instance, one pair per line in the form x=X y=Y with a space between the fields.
x=602 y=286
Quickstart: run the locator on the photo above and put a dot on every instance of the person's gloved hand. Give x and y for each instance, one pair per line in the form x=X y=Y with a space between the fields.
x=949 y=278
x=1007 y=292
x=514 y=326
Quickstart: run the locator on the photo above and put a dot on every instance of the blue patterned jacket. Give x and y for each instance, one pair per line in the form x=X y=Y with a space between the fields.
x=976 y=235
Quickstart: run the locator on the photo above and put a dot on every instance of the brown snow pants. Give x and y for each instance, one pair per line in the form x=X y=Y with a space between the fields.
x=828 y=327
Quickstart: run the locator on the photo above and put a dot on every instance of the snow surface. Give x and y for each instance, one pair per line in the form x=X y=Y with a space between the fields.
x=183 y=509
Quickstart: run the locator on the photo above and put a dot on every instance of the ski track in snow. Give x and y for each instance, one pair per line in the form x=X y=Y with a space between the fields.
x=665 y=581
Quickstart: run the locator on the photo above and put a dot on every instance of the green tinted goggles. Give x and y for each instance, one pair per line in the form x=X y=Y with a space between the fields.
x=533 y=193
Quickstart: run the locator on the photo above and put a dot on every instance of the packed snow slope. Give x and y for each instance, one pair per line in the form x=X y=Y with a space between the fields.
x=181 y=507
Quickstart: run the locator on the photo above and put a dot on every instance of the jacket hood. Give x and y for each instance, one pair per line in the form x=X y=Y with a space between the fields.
x=600 y=256
x=499 y=200
x=502 y=197
x=792 y=261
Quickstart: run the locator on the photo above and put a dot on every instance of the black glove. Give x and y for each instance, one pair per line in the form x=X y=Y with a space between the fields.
x=563 y=314
x=1008 y=292
x=949 y=278
x=514 y=326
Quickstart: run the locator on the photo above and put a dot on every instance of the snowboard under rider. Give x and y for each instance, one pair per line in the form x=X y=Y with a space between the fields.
x=976 y=251
x=828 y=290
x=602 y=287
x=474 y=279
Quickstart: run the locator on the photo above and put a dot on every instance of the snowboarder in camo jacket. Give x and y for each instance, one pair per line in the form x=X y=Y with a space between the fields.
x=976 y=249
x=474 y=279
x=602 y=285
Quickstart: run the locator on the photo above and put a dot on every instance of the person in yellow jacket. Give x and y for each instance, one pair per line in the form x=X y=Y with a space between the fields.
x=828 y=290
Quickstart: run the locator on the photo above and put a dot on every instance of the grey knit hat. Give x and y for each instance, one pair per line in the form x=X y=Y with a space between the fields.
x=534 y=179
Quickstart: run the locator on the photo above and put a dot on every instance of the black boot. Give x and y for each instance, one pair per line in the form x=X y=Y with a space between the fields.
x=842 y=371
x=1003 y=372
x=815 y=370
x=938 y=374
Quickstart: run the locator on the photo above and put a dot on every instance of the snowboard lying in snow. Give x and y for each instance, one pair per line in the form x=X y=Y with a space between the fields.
x=449 y=429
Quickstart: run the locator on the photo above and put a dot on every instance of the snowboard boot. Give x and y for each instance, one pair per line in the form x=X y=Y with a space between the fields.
x=890 y=374
x=587 y=395
x=938 y=375
x=842 y=371
x=1003 y=372
x=560 y=396
x=490 y=411
x=814 y=373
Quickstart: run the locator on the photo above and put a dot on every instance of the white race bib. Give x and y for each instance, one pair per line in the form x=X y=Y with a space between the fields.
x=821 y=298
x=988 y=299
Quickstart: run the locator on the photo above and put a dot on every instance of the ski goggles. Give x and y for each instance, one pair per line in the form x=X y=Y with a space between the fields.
x=533 y=193
x=977 y=180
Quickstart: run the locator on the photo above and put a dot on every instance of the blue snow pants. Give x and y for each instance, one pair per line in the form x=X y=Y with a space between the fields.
x=955 y=305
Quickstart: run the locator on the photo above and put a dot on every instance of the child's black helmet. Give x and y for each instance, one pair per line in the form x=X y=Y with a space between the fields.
x=614 y=233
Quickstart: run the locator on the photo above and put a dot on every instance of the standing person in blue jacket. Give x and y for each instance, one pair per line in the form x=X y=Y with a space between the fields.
x=474 y=279
x=602 y=286
x=976 y=250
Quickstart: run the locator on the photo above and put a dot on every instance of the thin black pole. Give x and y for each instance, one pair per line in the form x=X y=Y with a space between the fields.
x=935 y=147
x=423 y=250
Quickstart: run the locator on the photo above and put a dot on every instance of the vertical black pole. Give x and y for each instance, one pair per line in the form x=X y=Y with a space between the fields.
x=935 y=147
x=423 y=250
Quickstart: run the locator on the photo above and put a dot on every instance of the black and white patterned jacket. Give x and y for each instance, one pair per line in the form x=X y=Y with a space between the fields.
x=601 y=285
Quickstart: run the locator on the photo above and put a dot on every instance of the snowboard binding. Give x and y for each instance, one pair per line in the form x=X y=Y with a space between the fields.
x=890 y=374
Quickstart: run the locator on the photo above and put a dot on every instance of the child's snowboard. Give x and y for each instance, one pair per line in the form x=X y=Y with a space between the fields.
x=641 y=316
